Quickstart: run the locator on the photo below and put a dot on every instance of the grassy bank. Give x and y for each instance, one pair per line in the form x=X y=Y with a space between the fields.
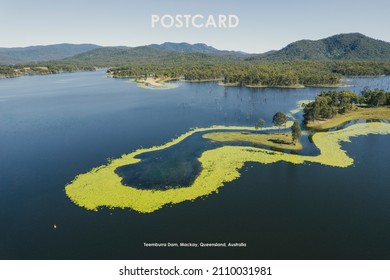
x=275 y=140
x=360 y=113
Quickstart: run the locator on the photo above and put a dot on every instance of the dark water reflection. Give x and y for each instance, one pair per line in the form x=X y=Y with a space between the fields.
x=55 y=127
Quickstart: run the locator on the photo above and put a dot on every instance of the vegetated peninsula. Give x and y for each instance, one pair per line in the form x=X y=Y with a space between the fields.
x=304 y=63
x=281 y=141
x=333 y=108
x=103 y=186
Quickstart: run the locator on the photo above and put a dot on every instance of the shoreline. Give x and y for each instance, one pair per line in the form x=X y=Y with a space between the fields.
x=155 y=83
x=161 y=83
x=360 y=113
x=297 y=86
x=101 y=187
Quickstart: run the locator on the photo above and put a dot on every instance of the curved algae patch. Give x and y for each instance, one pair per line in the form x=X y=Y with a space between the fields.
x=102 y=186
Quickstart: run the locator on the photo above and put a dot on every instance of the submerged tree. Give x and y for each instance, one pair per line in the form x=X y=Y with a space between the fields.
x=296 y=131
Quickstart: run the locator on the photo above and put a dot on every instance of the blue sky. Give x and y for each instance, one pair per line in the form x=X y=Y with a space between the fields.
x=264 y=24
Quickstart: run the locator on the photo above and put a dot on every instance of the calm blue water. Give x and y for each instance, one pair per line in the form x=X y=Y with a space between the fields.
x=55 y=127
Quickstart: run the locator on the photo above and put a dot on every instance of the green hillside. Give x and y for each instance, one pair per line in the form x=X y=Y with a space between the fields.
x=353 y=46
x=144 y=55
x=42 y=53
x=194 y=48
x=303 y=63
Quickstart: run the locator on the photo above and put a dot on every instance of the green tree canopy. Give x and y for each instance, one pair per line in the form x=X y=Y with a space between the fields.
x=296 y=131
x=260 y=123
x=279 y=119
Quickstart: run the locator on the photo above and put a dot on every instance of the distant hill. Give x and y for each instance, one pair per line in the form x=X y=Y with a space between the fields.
x=194 y=48
x=119 y=56
x=111 y=56
x=42 y=53
x=352 y=46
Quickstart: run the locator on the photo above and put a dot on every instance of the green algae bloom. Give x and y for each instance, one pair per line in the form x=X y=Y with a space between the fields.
x=102 y=187
x=299 y=105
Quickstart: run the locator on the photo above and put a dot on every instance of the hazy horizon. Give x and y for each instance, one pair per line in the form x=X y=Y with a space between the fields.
x=222 y=49
x=264 y=25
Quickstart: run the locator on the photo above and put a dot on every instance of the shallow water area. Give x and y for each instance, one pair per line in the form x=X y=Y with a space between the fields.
x=56 y=127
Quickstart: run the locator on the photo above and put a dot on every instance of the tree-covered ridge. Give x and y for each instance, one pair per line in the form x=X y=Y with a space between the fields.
x=42 y=53
x=328 y=104
x=353 y=46
x=147 y=56
x=339 y=48
x=194 y=48
x=106 y=56
x=200 y=62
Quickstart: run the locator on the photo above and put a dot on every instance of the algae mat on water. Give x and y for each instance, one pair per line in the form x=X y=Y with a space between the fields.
x=102 y=187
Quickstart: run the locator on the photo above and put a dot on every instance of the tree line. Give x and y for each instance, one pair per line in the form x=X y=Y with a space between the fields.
x=280 y=119
x=230 y=70
x=255 y=73
x=12 y=71
x=330 y=103
x=238 y=73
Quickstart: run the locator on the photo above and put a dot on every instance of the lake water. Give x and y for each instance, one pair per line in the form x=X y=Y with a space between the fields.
x=54 y=127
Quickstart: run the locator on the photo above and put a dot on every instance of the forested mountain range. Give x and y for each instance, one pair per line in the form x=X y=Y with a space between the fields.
x=343 y=47
x=353 y=46
x=303 y=63
x=94 y=54
x=145 y=55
